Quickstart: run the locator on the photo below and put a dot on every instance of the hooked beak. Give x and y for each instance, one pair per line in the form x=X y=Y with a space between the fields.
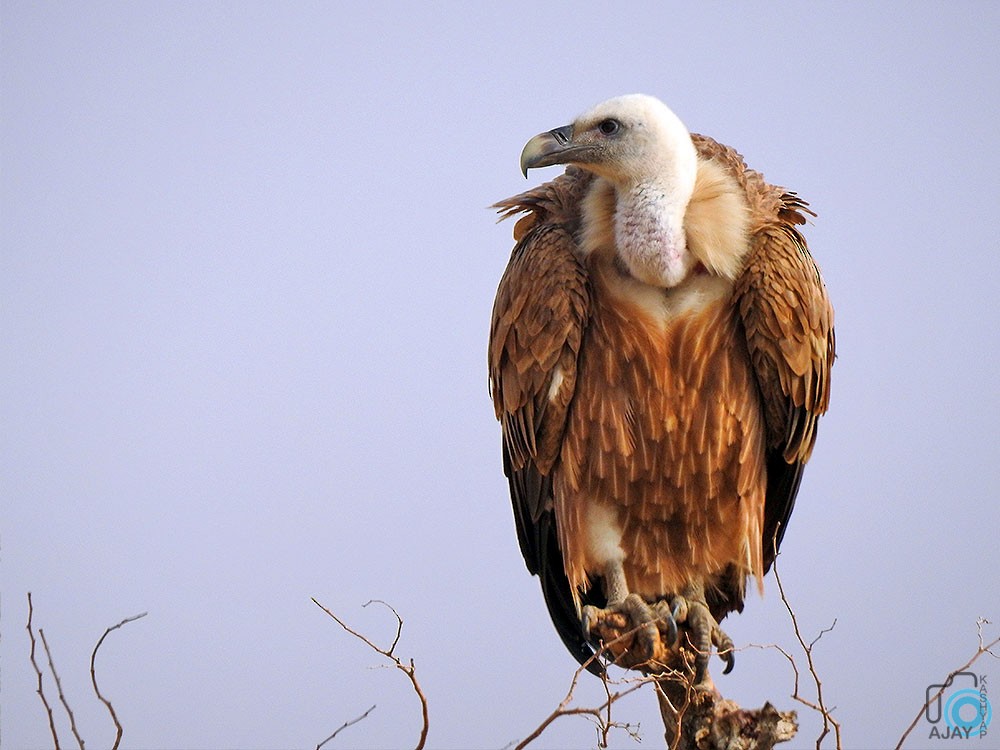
x=545 y=149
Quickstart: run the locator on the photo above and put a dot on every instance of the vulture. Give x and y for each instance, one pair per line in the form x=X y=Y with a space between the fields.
x=659 y=356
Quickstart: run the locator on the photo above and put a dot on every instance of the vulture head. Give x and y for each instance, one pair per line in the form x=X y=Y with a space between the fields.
x=627 y=140
x=641 y=149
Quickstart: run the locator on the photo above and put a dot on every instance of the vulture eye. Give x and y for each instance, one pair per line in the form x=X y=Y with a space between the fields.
x=610 y=126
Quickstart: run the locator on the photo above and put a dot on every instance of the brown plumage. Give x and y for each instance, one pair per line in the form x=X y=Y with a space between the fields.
x=658 y=365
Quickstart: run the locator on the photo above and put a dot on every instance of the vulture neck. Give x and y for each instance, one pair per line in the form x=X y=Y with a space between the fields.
x=649 y=230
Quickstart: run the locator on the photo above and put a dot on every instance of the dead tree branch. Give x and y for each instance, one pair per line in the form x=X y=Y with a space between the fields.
x=93 y=678
x=55 y=677
x=673 y=715
x=62 y=696
x=408 y=669
x=600 y=714
x=984 y=648
x=38 y=672
x=796 y=696
x=344 y=726
x=819 y=705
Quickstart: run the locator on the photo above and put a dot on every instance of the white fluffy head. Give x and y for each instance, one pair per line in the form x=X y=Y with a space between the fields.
x=637 y=139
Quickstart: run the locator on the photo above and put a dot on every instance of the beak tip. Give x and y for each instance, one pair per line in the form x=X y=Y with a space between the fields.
x=546 y=149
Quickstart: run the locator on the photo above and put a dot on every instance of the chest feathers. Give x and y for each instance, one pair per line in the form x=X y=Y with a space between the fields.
x=664 y=448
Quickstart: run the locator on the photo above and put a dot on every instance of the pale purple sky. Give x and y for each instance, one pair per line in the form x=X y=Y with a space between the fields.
x=246 y=277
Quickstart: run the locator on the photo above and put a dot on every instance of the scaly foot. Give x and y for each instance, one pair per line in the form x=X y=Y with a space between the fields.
x=614 y=623
x=703 y=632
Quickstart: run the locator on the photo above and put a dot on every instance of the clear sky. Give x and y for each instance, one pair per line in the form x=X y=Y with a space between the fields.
x=246 y=277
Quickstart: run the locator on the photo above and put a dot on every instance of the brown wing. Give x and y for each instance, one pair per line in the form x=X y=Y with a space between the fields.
x=788 y=321
x=539 y=317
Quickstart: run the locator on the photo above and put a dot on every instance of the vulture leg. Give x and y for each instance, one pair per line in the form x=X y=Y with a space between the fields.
x=704 y=631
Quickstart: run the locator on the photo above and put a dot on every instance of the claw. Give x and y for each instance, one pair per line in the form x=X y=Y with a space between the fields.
x=678 y=612
x=679 y=608
x=730 y=660
x=673 y=636
x=668 y=617
x=724 y=648
x=588 y=619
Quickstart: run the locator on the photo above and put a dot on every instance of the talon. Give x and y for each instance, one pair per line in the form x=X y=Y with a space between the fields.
x=674 y=637
x=669 y=619
x=587 y=619
x=730 y=660
x=724 y=648
x=679 y=608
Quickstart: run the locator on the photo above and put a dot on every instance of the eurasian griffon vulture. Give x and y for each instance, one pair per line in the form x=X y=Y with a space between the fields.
x=659 y=356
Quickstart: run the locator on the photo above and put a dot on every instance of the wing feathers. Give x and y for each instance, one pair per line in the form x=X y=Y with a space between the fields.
x=537 y=327
x=539 y=318
x=788 y=320
x=789 y=327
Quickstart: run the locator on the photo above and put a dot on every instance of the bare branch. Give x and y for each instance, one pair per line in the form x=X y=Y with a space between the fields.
x=409 y=670
x=597 y=712
x=819 y=705
x=93 y=678
x=600 y=714
x=984 y=648
x=797 y=676
x=40 y=691
x=62 y=697
x=979 y=628
x=399 y=622
x=344 y=726
x=667 y=708
x=823 y=632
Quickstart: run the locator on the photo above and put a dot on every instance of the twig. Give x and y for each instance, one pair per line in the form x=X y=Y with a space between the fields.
x=93 y=678
x=819 y=705
x=40 y=691
x=409 y=670
x=605 y=725
x=663 y=698
x=597 y=712
x=983 y=648
x=795 y=670
x=62 y=696
x=344 y=726
x=601 y=713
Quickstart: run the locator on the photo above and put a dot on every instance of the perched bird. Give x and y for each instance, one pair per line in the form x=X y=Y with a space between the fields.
x=659 y=357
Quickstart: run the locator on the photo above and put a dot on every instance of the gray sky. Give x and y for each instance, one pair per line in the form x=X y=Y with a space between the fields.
x=246 y=277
